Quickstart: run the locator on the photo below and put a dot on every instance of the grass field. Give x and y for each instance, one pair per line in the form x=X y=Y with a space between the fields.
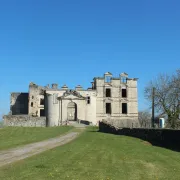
x=98 y=156
x=15 y=136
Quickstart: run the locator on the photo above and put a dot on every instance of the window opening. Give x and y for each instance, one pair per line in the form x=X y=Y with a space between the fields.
x=42 y=112
x=41 y=101
x=108 y=108
x=108 y=92
x=108 y=79
x=88 y=100
x=123 y=79
x=124 y=93
x=124 y=108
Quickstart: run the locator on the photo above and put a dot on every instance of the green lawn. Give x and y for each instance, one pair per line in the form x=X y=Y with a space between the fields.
x=98 y=156
x=15 y=136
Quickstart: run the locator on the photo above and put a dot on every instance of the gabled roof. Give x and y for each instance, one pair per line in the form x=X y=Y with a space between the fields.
x=124 y=74
x=108 y=73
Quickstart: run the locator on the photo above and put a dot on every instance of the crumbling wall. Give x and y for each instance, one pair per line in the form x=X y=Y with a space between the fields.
x=116 y=99
x=24 y=121
x=35 y=94
x=19 y=103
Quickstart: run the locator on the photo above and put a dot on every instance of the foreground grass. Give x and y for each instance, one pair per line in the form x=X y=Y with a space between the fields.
x=15 y=136
x=98 y=156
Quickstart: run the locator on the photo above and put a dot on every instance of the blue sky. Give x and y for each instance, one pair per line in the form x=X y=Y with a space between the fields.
x=72 y=41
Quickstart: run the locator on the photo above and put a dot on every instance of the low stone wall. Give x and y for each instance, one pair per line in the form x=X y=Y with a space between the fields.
x=163 y=137
x=123 y=123
x=24 y=120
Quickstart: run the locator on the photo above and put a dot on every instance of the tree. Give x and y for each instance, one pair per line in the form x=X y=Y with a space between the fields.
x=167 y=96
x=144 y=119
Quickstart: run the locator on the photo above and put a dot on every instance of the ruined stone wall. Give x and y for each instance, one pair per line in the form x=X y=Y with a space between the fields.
x=24 y=121
x=19 y=103
x=36 y=93
x=132 y=97
x=116 y=99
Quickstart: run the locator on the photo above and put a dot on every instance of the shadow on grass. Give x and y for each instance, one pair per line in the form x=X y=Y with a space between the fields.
x=173 y=147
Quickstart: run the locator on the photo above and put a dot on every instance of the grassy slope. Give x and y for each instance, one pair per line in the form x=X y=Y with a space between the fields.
x=15 y=136
x=1 y=123
x=98 y=156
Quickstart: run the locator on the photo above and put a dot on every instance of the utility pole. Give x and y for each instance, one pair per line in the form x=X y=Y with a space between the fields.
x=153 y=93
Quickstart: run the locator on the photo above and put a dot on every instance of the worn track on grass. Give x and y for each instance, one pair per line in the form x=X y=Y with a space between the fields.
x=22 y=152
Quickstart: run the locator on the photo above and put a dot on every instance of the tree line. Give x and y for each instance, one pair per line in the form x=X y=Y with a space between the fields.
x=166 y=99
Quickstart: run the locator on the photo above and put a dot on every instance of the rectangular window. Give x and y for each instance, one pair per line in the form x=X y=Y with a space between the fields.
x=41 y=101
x=42 y=112
x=55 y=100
x=108 y=79
x=108 y=108
x=88 y=100
x=108 y=92
x=124 y=108
x=124 y=93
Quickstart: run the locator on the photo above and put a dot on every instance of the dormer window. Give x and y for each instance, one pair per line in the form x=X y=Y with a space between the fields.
x=107 y=79
x=124 y=79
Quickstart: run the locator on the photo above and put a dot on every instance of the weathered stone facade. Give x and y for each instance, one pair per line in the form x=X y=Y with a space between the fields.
x=19 y=103
x=36 y=100
x=24 y=121
x=110 y=98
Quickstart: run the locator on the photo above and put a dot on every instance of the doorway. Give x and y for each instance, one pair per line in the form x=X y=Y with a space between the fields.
x=72 y=111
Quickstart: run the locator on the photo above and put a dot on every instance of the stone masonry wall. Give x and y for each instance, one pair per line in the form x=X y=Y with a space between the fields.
x=24 y=120
x=19 y=103
x=129 y=122
x=163 y=137
x=35 y=94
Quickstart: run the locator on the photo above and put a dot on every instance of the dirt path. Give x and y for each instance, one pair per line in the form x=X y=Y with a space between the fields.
x=15 y=154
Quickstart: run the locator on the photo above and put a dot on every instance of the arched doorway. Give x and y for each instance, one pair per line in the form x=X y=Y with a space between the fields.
x=72 y=111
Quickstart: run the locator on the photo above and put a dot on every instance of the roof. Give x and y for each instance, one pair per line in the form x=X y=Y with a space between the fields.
x=108 y=73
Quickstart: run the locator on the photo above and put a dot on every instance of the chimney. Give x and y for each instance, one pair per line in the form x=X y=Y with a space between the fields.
x=78 y=87
x=64 y=87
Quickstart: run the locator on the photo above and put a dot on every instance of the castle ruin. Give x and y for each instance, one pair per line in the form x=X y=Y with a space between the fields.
x=109 y=98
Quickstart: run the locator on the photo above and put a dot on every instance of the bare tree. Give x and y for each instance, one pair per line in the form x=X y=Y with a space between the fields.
x=144 y=119
x=167 y=96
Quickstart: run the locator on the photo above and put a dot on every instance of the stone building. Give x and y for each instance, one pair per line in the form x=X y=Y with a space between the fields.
x=110 y=98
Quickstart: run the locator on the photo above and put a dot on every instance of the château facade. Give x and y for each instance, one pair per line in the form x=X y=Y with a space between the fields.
x=109 y=98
